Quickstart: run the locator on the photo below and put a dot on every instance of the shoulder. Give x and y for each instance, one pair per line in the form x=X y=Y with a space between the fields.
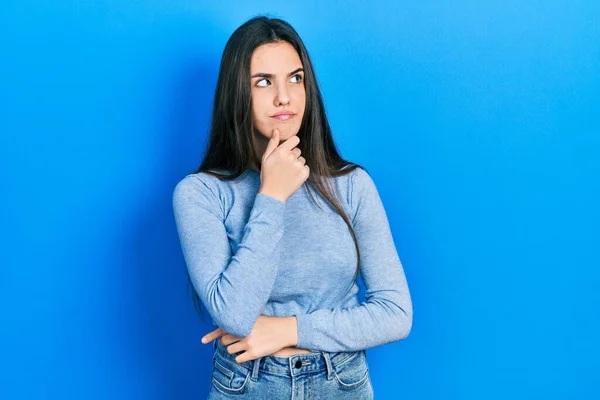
x=355 y=185
x=360 y=177
x=196 y=183
x=361 y=184
x=198 y=189
x=365 y=201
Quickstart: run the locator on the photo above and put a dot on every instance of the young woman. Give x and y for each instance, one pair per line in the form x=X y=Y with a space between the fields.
x=275 y=227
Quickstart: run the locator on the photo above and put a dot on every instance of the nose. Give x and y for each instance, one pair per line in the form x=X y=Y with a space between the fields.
x=283 y=96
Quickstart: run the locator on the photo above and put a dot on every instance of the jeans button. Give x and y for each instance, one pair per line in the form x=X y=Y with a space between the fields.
x=298 y=364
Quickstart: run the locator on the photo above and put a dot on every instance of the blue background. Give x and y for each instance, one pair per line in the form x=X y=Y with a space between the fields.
x=479 y=122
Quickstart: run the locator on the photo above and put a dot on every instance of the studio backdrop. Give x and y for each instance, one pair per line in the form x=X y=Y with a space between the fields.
x=478 y=121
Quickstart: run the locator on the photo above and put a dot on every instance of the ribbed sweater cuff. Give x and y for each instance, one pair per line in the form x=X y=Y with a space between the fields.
x=305 y=329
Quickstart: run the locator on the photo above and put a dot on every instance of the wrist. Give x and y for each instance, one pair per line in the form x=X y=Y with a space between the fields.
x=292 y=331
x=275 y=196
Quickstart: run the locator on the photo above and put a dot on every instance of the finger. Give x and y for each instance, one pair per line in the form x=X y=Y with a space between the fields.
x=209 y=336
x=236 y=347
x=212 y=335
x=273 y=143
x=229 y=339
x=244 y=357
x=290 y=143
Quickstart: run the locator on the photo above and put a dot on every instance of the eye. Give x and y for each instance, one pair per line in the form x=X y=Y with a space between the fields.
x=299 y=76
x=264 y=79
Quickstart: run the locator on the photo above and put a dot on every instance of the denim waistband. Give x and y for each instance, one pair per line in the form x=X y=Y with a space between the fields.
x=298 y=364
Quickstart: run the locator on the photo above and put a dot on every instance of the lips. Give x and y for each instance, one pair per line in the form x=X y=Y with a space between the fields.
x=283 y=117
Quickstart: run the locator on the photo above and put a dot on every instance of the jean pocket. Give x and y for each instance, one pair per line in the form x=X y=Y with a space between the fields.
x=228 y=376
x=352 y=372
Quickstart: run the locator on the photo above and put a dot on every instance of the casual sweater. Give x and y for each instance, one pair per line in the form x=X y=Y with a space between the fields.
x=248 y=254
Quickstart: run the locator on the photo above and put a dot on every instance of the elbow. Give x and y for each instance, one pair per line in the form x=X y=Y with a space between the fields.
x=404 y=322
x=228 y=315
x=234 y=326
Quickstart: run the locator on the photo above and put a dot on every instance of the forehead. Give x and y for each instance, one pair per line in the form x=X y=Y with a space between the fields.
x=272 y=57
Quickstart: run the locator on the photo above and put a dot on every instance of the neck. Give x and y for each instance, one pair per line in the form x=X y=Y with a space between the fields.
x=261 y=144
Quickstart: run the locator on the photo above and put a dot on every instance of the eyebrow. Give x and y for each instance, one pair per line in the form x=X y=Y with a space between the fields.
x=264 y=75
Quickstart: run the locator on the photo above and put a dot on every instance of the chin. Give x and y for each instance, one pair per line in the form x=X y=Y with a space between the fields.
x=289 y=132
x=285 y=132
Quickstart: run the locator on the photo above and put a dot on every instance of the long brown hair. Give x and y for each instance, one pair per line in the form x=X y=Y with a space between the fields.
x=231 y=146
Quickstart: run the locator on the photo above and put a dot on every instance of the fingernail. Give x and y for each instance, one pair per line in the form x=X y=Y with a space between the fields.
x=203 y=340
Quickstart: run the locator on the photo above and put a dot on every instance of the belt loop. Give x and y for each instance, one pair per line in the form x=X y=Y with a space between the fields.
x=214 y=351
x=328 y=365
x=255 y=365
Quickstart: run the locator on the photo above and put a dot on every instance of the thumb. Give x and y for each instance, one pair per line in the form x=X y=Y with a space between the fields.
x=273 y=143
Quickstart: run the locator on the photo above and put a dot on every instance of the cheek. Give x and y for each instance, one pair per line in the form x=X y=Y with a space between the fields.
x=259 y=109
x=260 y=116
x=301 y=100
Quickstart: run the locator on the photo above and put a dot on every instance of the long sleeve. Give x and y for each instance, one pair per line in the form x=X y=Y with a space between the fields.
x=233 y=287
x=386 y=315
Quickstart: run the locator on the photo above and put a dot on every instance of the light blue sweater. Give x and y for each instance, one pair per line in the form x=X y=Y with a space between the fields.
x=249 y=254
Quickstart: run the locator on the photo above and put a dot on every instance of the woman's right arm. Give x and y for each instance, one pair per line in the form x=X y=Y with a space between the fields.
x=233 y=287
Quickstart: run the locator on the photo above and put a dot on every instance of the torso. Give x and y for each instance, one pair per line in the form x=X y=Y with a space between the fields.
x=327 y=269
x=290 y=351
x=285 y=352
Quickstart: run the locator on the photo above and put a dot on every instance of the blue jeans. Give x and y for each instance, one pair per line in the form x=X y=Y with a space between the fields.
x=322 y=375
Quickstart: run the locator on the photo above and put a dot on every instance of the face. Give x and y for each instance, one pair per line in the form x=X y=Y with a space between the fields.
x=278 y=94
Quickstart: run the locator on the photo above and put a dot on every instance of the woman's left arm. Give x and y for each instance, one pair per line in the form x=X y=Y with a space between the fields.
x=387 y=314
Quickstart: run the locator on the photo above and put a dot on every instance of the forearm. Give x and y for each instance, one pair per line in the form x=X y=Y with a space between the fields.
x=234 y=285
x=239 y=293
x=237 y=297
x=361 y=327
